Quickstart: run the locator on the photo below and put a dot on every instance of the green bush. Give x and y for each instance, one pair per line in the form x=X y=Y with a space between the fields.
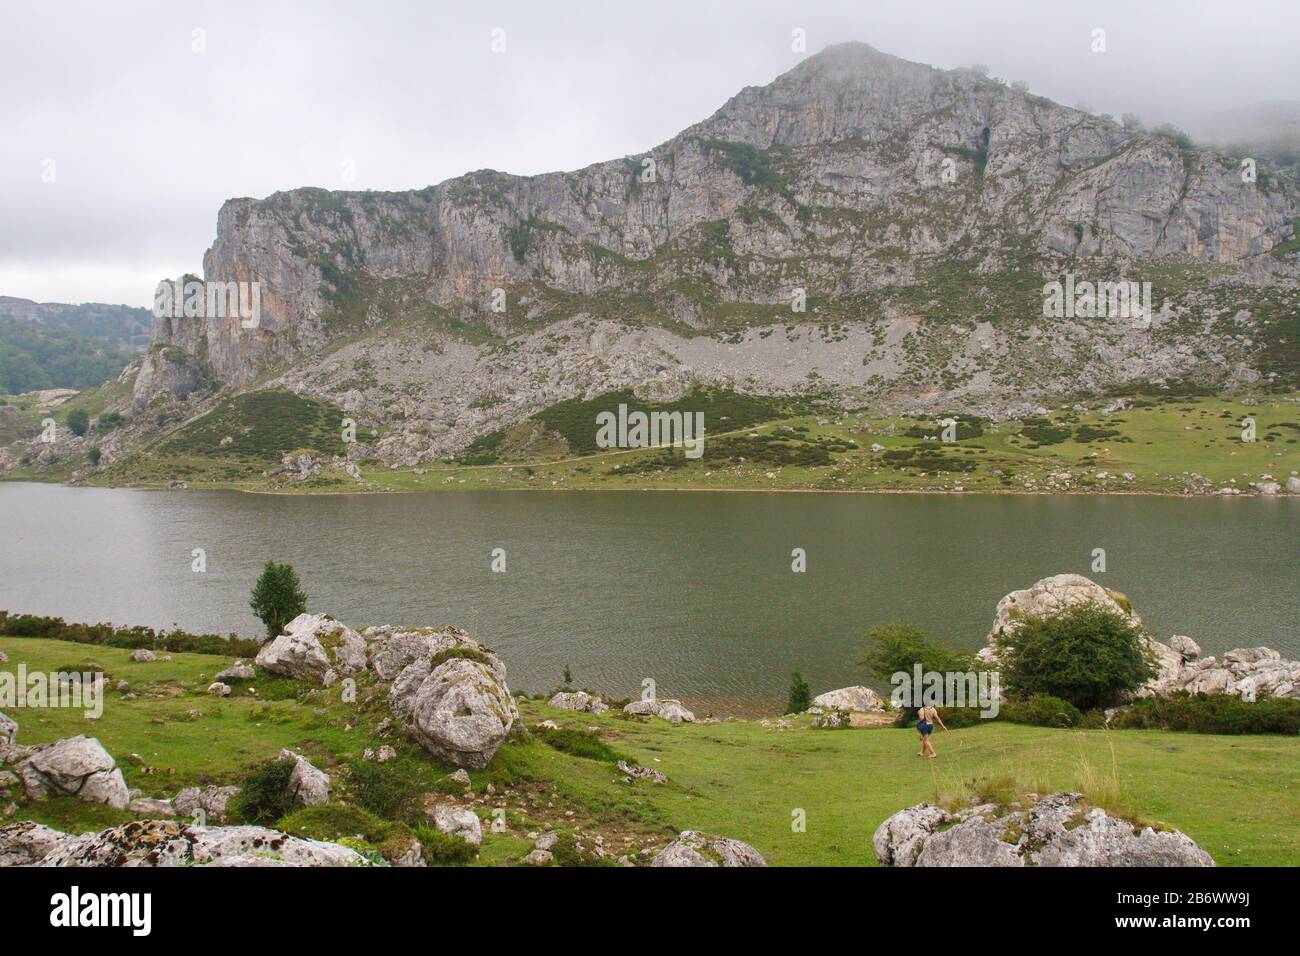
x=129 y=638
x=1089 y=655
x=1212 y=714
x=391 y=789
x=263 y=795
x=1041 y=711
x=78 y=421
x=800 y=697
x=578 y=743
x=900 y=647
x=441 y=849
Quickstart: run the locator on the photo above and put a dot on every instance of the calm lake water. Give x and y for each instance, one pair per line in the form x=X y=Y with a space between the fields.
x=693 y=589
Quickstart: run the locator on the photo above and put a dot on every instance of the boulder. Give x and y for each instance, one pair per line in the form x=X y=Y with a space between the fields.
x=8 y=733
x=458 y=822
x=143 y=655
x=850 y=698
x=459 y=710
x=538 y=858
x=641 y=773
x=1185 y=646
x=1293 y=485
x=27 y=843
x=1058 y=830
x=154 y=809
x=314 y=647
x=167 y=843
x=211 y=801
x=240 y=670
x=219 y=689
x=75 y=766
x=389 y=649
x=308 y=786
x=700 y=849
x=670 y=710
x=578 y=700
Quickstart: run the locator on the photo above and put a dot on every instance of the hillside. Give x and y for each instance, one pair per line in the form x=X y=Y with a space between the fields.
x=863 y=233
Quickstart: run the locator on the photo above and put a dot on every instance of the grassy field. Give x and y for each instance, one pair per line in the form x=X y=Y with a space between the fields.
x=1236 y=796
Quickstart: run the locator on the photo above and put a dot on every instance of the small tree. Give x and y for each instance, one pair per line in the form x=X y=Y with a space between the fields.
x=568 y=676
x=277 y=598
x=78 y=421
x=1089 y=654
x=900 y=647
x=800 y=697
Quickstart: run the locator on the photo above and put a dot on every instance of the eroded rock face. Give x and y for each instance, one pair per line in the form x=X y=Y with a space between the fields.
x=1249 y=672
x=166 y=843
x=1058 y=830
x=670 y=710
x=75 y=766
x=314 y=647
x=692 y=848
x=459 y=710
x=850 y=698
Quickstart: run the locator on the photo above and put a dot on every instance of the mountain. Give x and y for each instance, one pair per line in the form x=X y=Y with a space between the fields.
x=123 y=325
x=921 y=212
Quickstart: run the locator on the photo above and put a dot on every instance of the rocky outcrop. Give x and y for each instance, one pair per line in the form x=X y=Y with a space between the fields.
x=212 y=802
x=850 y=699
x=692 y=848
x=166 y=844
x=578 y=700
x=457 y=822
x=314 y=647
x=670 y=710
x=390 y=649
x=75 y=766
x=308 y=786
x=459 y=709
x=1057 y=830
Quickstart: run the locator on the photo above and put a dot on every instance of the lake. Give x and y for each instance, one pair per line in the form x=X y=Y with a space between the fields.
x=693 y=589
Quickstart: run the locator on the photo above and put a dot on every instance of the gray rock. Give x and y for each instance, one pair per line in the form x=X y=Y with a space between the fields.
x=458 y=822
x=1058 y=830
x=219 y=689
x=240 y=670
x=27 y=843
x=149 y=807
x=1185 y=646
x=75 y=766
x=538 y=858
x=578 y=701
x=143 y=655
x=308 y=786
x=692 y=848
x=670 y=710
x=213 y=801
x=8 y=733
x=642 y=773
x=167 y=843
x=314 y=647
x=850 y=698
x=460 y=711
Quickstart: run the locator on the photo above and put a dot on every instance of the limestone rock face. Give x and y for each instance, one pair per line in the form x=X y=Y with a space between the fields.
x=314 y=647
x=1057 y=830
x=459 y=710
x=692 y=848
x=166 y=843
x=850 y=698
x=670 y=710
x=75 y=766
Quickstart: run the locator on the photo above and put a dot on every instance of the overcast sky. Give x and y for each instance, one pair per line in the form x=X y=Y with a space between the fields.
x=146 y=126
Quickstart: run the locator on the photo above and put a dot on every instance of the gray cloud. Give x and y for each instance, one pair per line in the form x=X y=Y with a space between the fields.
x=148 y=137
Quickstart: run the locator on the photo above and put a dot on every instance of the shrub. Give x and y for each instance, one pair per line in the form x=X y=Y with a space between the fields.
x=899 y=647
x=277 y=598
x=1212 y=714
x=1089 y=655
x=78 y=421
x=1041 y=711
x=129 y=638
x=440 y=849
x=391 y=789
x=800 y=697
x=264 y=792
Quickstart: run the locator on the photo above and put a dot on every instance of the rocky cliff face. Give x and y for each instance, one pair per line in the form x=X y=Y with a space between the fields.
x=919 y=211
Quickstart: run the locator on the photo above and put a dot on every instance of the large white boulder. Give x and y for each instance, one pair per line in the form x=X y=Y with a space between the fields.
x=314 y=647
x=1059 y=830
x=165 y=843
x=458 y=708
x=75 y=766
x=859 y=698
x=692 y=848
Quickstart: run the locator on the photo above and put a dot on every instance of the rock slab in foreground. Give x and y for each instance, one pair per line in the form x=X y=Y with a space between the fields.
x=692 y=848
x=1058 y=830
